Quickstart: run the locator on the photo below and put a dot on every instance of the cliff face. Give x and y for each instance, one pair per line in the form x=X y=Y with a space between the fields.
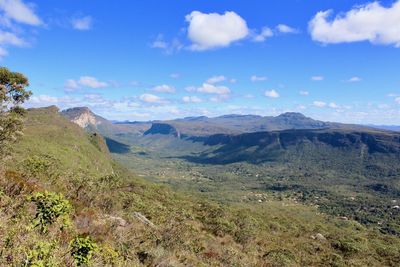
x=164 y=129
x=82 y=116
x=375 y=142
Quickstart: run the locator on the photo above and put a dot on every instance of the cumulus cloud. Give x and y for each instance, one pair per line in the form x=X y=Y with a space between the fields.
x=370 y=22
x=213 y=30
x=163 y=89
x=263 y=35
x=216 y=79
x=317 y=78
x=20 y=12
x=271 y=93
x=149 y=98
x=92 y=82
x=305 y=93
x=256 y=78
x=84 y=81
x=213 y=89
x=83 y=23
x=13 y=12
x=191 y=99
x=319 y=104
x=283 y=28
x=354 y=79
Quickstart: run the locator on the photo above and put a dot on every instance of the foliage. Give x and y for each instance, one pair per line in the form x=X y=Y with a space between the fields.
x=49 y=208
x=41 y=255
x=82 y=250
x=12 y=95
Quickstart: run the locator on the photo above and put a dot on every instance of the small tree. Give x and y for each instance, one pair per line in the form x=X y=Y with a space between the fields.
x=13 y=94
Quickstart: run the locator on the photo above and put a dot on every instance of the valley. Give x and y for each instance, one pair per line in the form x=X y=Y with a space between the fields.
x=348 y=171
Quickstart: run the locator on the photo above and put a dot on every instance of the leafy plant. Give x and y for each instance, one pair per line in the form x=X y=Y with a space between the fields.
x=82 y=250
x=41 y=255
x=49 y=208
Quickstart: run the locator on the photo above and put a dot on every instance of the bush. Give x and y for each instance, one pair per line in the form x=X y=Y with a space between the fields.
x=41 y=255
x=50 y=207
x=82 y=250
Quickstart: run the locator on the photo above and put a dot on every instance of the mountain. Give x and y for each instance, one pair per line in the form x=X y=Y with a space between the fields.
x=129 y=221
x=86 y=119
x=386 y=127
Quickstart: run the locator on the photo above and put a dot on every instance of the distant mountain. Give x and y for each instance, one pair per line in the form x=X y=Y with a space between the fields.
x=308 y=145
x=234 y=124
x=84 y=117
x=387 y=127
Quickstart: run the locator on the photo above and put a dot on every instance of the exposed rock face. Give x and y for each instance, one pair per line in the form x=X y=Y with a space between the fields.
x=82 y=116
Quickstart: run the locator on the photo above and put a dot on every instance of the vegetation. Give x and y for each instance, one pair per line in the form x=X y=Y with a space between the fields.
x=12 y=94
x=136 y=223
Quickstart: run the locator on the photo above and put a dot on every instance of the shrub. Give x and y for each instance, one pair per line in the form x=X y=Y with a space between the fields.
x=41 y=255
x=50 y=207
x=82 y=250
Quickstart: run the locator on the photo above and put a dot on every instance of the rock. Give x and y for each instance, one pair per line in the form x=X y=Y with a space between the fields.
x=344 y=218
x=318 y=237
x=396 y=207
x=143 y=219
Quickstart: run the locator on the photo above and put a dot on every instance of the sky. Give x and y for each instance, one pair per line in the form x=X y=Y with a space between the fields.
x=146 y=60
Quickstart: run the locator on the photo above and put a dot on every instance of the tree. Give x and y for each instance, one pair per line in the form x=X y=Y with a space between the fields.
x=13 y=94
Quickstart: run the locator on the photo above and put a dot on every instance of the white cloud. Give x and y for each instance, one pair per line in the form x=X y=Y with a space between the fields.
x=9 y=38
x=14 y=12
x=271 y=93
x=354 y=79
x=256 y=78
x=213 y=30
x=333 y=105
x=263 y=35
x=317 y=78
x=213 y=89
x=83 y=23
x=319 y=104
x=190 y=89
x=370 y=22
x=71 y=85
x=216 y=79
x=397 y=99
x=304 y=93
x=149 y=98
x=191 y=99
x=20 y=12
x=91 y=82
x=175 y=75
x=286 y=29
x=169 y=47
x=163 y=89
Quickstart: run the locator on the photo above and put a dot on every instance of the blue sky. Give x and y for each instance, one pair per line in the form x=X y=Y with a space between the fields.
x=141 y=60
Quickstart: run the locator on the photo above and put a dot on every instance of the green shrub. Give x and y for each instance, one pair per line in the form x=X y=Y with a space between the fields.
x=82 y=250
x=50 y=207
x=41 y=255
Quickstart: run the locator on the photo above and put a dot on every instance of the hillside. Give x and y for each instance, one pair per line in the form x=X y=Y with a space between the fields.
x=135 y=223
